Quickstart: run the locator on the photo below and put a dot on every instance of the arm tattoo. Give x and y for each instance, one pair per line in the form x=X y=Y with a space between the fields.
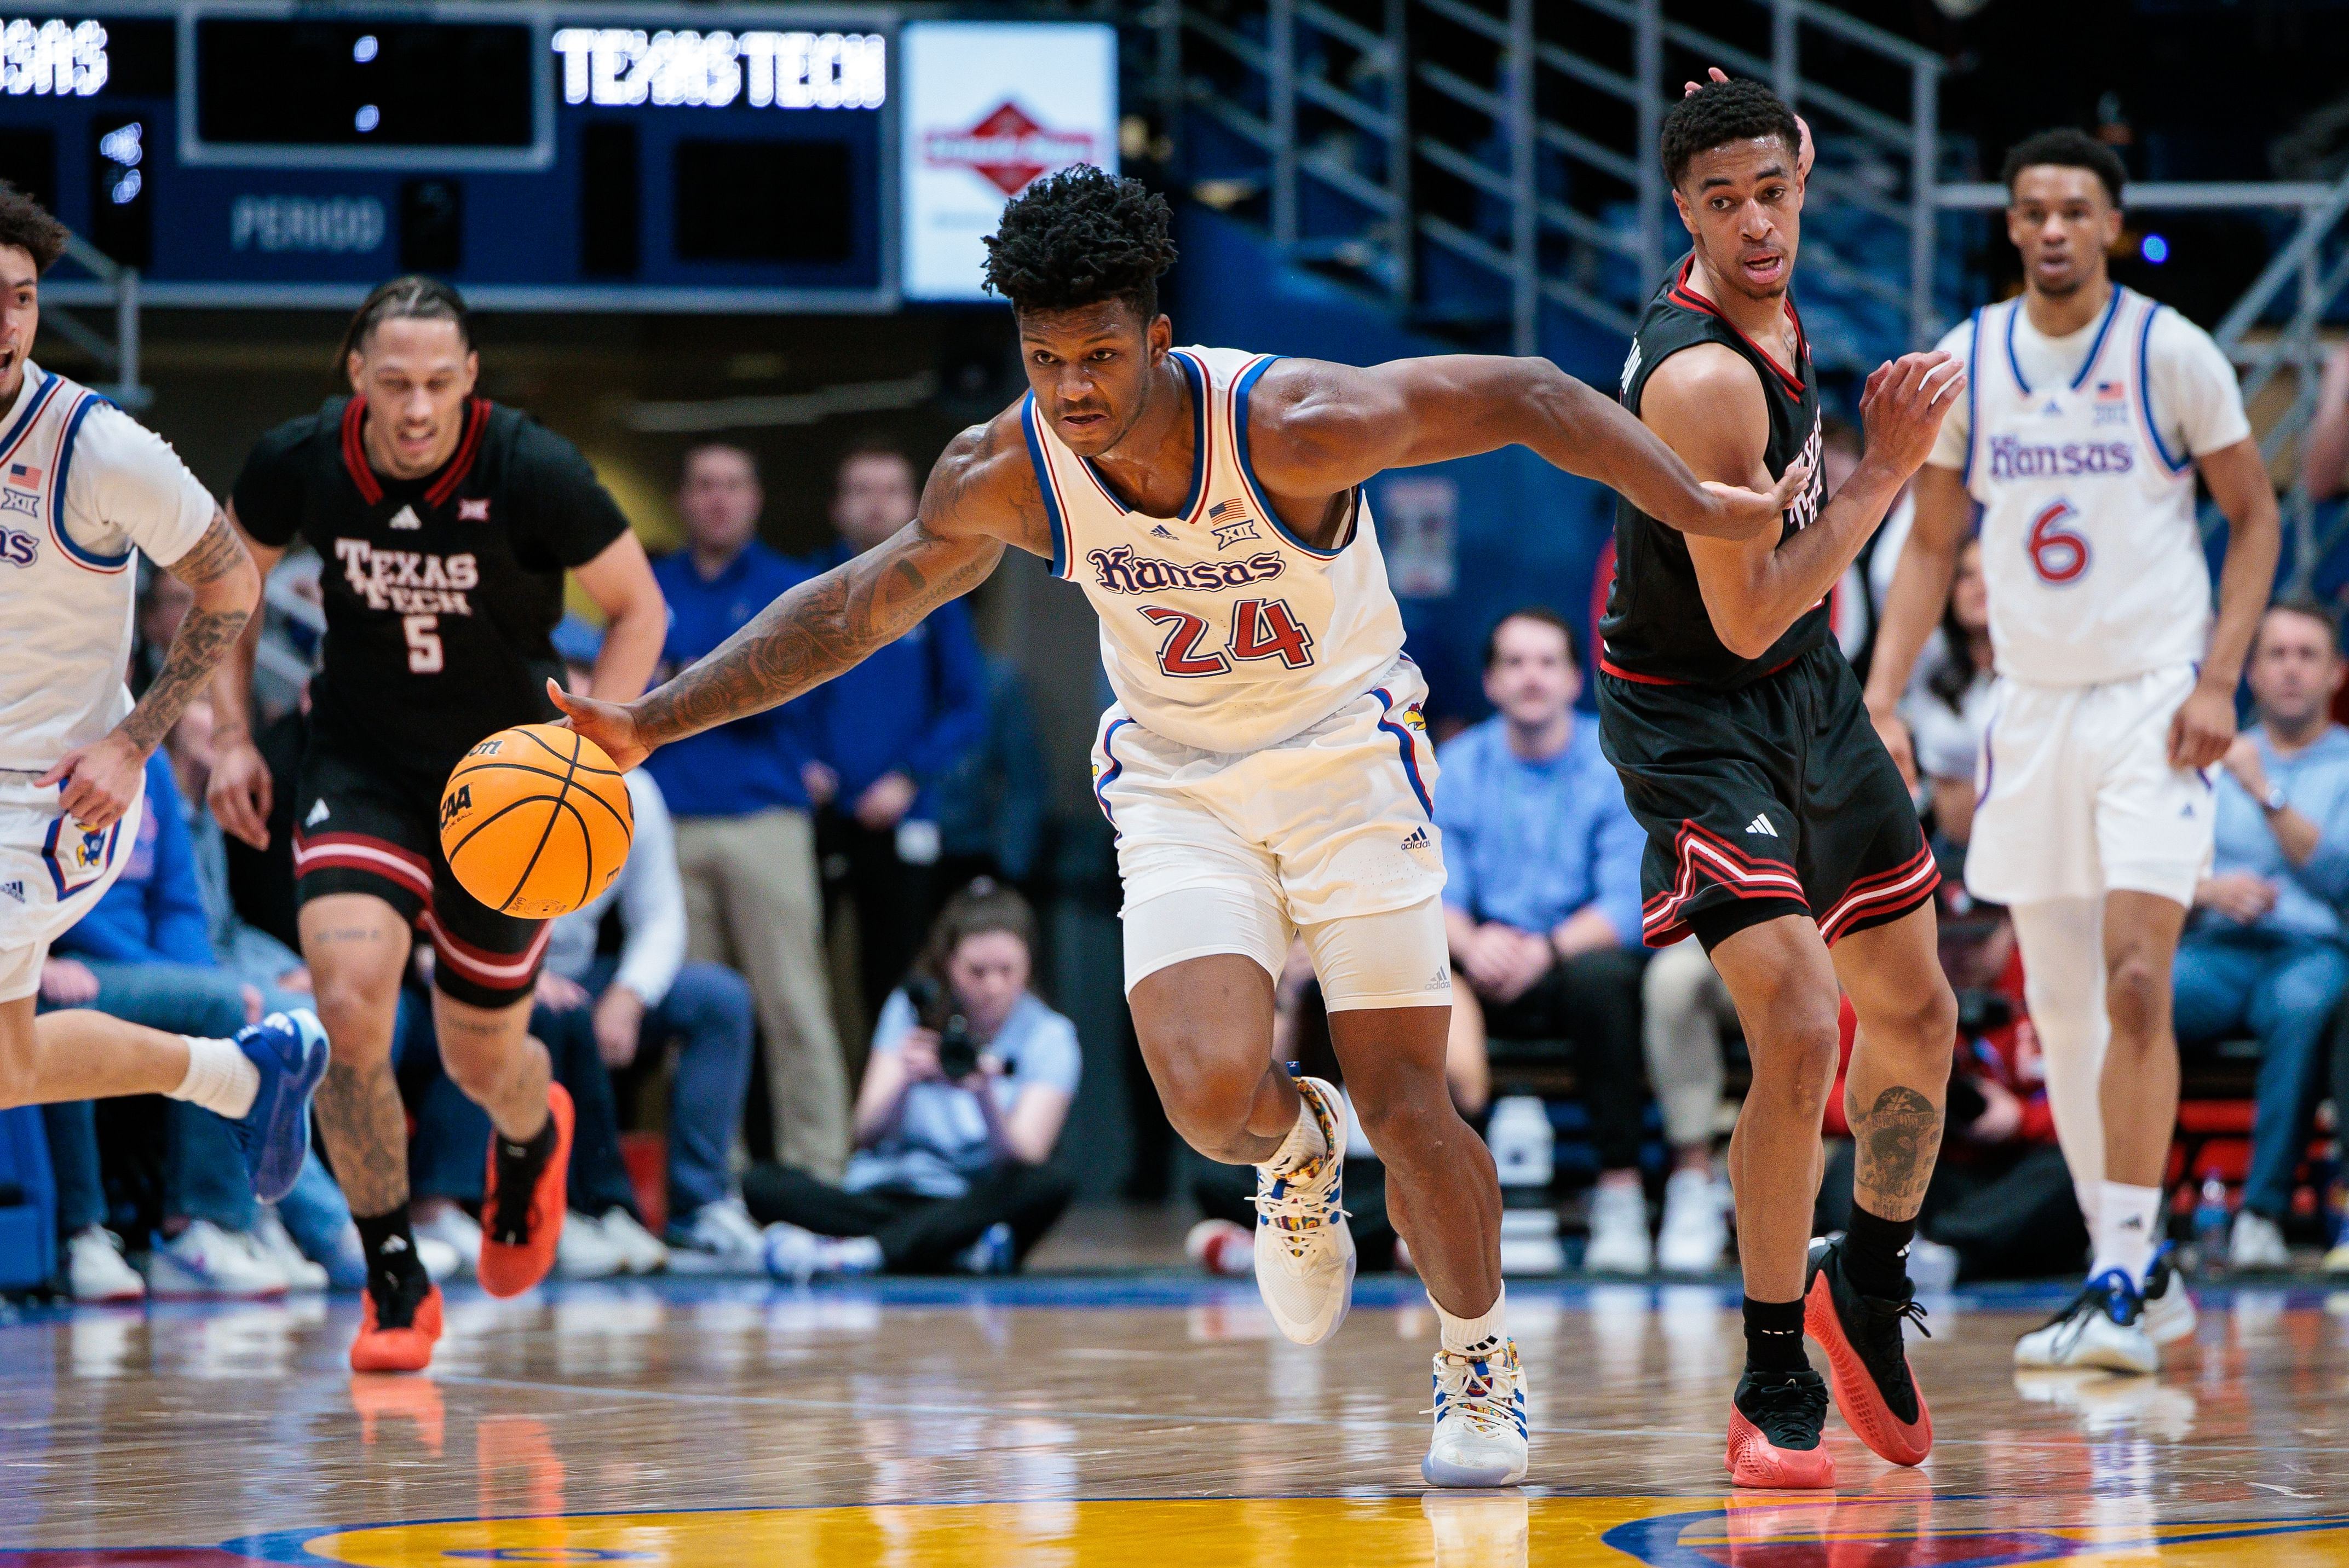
x=204 y=639
x=1897 y=1142
x=823 y=626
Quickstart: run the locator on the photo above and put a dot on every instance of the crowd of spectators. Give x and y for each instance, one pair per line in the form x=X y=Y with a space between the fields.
x=843 y=868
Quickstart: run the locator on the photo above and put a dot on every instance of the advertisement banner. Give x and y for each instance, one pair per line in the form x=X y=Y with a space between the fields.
x=988 y=108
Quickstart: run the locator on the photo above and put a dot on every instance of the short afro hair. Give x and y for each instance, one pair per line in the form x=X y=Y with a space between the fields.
x=1718 y=113
x=27 y=224
x=1079 y=237
x=2066 y=149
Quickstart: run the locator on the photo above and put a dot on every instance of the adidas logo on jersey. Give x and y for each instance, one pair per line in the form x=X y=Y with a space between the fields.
x=1161 y=531
x=14 y=890
x=1760 y=824
x=317 y=815
x=406 y=518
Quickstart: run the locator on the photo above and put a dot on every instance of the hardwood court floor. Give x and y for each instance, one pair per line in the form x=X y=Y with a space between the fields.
x=1136 y=1422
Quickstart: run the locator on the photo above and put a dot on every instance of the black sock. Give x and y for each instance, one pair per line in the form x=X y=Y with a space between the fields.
x=393 y=1268
x=518 y=1168
x=1875 y=1254
x=1773 y=1336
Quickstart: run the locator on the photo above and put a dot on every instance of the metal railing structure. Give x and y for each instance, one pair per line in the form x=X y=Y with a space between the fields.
x=1532 y=161
x=120 y=354
x=2260 y=353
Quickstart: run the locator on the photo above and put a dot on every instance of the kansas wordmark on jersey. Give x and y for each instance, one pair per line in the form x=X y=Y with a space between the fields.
x=1220 y=628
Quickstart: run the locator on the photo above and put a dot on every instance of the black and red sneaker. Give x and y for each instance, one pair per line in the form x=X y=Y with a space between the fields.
x=399 y=1322
x=1868 y=1361
x=523 y=1199
x=1775 y=1424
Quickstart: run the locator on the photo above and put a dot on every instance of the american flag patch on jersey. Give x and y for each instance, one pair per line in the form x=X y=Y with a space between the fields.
x=24 y=477
x=2110 y=391
x=1229 y=511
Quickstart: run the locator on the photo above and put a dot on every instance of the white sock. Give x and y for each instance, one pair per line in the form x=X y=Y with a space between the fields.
x=1304 y=1143
x=2087 y=1193
x=1475 y=1335
x=220 y=1077
x=2127 y=1233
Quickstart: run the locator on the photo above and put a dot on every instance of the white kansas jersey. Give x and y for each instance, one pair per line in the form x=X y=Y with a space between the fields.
x=2090 y=547
x=81 y=487
x=1220 y=629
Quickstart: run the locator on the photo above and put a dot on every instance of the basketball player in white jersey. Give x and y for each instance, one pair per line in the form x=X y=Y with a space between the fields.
x=1265 y=764
x=2091 y=409
x=83 y=492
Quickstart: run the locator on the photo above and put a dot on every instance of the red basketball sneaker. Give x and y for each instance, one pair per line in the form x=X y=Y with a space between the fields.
x=1868 y=1364
x=522 y=1201
x=1774 y=1425
x=398 y=1338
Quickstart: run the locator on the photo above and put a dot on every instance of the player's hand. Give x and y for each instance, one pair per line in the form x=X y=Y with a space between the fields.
x=1803 y=154
x=1893 y=730
x=2239 y=896
x=886 y=802
x=68 y=984
x=1902 y=407
x=241 y=793
x=99 y=780
x=1754 y=514
x=620 y=1023
x=2202 y=728
x=609 y=725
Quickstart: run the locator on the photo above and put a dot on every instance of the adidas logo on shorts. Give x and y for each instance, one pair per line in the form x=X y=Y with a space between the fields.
x=1760 y=824
x=14 y=890
x=1418 y=839
x=317 y=815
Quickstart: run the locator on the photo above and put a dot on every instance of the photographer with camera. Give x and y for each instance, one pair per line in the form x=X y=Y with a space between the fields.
x=966 y=1092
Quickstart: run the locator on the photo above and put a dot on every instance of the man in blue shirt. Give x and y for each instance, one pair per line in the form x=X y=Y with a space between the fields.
x=2267 y=951
x=745 y=838
x=886 y=731
x=1541 y=901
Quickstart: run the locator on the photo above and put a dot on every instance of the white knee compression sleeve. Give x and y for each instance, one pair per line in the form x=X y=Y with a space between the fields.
x=2064 y=979
x=1194 y=922
x=1396 y=958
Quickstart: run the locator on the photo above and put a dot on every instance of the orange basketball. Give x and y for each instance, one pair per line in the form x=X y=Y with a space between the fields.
x=535 y=821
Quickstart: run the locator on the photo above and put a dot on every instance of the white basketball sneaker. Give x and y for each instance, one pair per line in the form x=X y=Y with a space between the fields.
x=2169 y=1314
x=1479 y=1420
x=1304 y=1252
x=2104 y=1326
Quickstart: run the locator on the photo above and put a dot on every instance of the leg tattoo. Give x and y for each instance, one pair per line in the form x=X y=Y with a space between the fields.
x=359 y=1112
x=1898 y=1139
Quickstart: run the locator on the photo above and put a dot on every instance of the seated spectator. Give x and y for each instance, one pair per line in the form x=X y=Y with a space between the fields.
x=2266 y=951
x=648 y=997
x=1223 y=1241
x=949 y=1167
x=143 y=952
x=2000 y=1204
x=745 y=832
x=1949 y=707
x=1542 y=900
x=887 y=731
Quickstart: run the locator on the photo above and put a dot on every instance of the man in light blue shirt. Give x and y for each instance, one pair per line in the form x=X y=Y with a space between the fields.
x=1541 y=900
x=2267 y=951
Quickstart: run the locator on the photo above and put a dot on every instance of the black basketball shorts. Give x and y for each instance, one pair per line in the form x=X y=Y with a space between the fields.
x=361 y=827
x=1772 y=799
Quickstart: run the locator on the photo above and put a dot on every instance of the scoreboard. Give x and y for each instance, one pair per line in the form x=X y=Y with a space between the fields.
x=539 y=155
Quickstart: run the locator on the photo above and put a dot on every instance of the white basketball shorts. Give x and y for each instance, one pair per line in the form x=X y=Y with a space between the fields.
x=51 y=871
x=2078 y=798
x=1237 y=851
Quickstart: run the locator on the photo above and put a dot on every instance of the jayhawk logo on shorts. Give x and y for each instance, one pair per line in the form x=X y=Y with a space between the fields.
x=77 y=855
x=1414 y=719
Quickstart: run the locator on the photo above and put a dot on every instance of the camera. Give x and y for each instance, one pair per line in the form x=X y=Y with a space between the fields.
x=935 y=1009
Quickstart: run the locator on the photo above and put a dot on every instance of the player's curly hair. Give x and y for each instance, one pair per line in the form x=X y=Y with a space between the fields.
x=415 y=295
x=1738 y=110
x=2066 y=148
x=24 y=222
x=1079 y=237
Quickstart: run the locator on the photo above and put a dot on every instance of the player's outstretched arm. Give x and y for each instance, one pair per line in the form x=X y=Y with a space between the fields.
x=2238 y=476
x=980 y=497
x=1913 y=604
x=101 y=779
x=240 y=794
x=1706 y=404
x=1317 y=428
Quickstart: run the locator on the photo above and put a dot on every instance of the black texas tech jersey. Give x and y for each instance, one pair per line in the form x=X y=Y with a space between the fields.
x=1656 y=627
x=440 y=591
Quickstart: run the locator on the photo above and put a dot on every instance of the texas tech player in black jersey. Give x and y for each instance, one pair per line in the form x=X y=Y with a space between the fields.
x=444 y=524
x=1779 y=832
